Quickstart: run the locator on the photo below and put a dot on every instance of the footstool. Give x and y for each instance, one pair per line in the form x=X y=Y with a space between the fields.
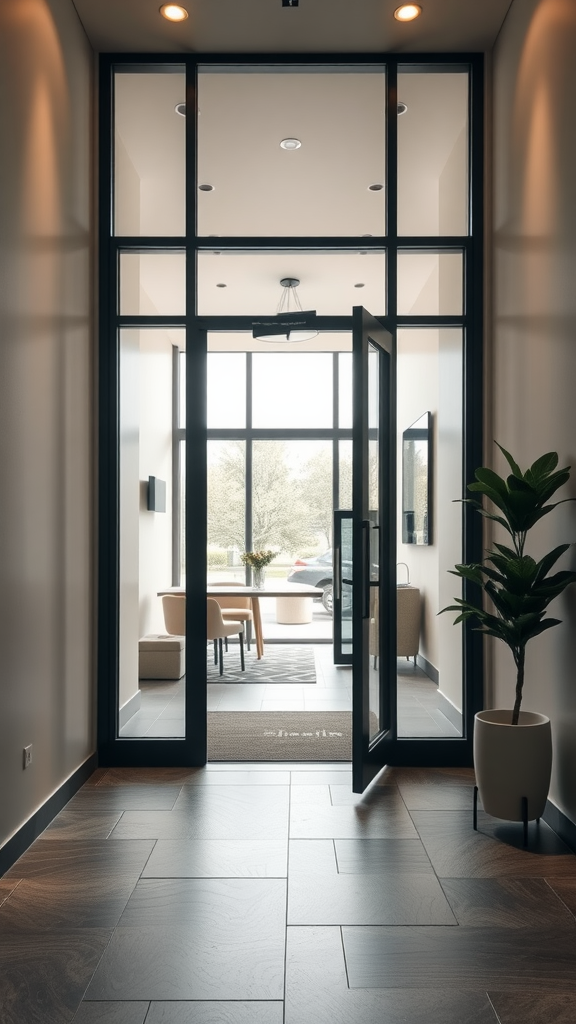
x=161 y=656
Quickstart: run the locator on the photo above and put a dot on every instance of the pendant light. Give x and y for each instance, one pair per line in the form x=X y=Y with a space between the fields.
x=291 y=323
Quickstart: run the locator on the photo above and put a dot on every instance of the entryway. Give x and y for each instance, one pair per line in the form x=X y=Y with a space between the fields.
x=189 y=259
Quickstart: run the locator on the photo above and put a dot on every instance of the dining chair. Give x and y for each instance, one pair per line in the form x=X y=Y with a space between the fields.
x=174 y=608
x=218 y=629
x=235 y=608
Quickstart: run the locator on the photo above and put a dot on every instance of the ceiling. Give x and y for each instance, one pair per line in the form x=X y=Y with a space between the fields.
x=315 y=26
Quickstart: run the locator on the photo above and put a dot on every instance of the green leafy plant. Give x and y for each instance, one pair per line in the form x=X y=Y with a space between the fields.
x=519 y=588
x=257 y=559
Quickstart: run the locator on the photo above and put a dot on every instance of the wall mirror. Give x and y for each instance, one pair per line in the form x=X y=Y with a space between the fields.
x=417 y=482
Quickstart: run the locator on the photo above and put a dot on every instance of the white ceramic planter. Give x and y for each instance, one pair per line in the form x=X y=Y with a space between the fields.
x=512 y=761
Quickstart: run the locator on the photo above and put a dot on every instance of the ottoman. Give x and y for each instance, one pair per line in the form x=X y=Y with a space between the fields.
x=161 y=656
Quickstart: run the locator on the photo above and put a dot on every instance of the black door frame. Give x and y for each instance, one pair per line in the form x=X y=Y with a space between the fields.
x=114 y=751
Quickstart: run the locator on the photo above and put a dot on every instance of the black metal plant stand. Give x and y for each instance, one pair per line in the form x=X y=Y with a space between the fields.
x=524 y=816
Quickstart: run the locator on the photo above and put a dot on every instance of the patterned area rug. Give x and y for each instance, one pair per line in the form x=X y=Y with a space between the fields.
x=280 y=736
x=281 y=663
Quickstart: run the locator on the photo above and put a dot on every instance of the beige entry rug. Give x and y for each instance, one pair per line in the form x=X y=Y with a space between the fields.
x=280 y=736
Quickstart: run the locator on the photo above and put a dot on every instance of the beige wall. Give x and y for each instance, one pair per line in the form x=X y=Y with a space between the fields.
x=534 y=337
x=46 y=492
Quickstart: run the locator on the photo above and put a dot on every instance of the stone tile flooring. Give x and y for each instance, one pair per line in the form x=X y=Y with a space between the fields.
x=162 y=709
x=270 y=894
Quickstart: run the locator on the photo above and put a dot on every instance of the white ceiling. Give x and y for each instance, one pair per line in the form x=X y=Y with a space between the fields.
x=315 y=26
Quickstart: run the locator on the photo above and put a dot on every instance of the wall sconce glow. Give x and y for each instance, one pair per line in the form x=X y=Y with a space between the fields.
x=407 y=12
x=173 y=12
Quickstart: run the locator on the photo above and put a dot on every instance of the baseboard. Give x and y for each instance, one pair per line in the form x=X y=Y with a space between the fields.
x=561 y=824
x=31 y=829
x=428 y=668
x=449 y=710
x=129 y=708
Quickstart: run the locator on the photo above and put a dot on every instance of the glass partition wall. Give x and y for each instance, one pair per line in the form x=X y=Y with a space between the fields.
x=218 y=181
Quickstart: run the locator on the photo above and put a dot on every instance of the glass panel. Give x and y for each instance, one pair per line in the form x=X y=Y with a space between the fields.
x=376 y=660
x=149 y=154
x=320 y=187
x=433 y=154
x=152 y=284
x=292 y=497
x=226 y=390
x=248 y=284
x=345 y=391
x=430 y=284
x=345 y=467
x=226 y=509
x=429 y=666
x=151 y=637
x=292 y=389
x=292 y=515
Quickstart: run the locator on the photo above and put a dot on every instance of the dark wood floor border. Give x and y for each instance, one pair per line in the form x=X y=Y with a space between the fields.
x=561 y=824
x=31 y=829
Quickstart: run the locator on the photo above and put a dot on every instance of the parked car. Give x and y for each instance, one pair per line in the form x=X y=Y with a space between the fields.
x=318 y=572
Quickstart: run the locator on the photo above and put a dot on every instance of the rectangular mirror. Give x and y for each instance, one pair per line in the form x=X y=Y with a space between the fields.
x=417 y=482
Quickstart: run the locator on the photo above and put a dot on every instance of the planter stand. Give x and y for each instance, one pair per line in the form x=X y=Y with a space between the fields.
x=524 y=816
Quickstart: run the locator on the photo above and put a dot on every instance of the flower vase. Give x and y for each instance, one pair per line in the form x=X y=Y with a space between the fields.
x=258 y=578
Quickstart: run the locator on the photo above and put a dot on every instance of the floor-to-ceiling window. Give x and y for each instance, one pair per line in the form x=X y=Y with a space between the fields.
x=362 y=183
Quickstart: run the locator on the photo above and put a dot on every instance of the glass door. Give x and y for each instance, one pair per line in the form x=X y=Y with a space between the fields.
x=373 y=549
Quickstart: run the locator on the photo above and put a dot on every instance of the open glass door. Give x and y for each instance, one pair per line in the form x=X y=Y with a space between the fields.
x=373 y=548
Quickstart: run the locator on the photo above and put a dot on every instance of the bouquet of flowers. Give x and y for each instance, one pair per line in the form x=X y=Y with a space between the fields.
x=257 y=559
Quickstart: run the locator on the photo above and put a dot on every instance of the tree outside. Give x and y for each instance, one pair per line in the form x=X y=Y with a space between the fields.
x=291 y=495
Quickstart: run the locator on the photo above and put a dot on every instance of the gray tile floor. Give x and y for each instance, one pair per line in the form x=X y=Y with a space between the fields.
x=162 y=709
x=271 y=894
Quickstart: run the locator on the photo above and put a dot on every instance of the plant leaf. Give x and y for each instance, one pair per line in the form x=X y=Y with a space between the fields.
x=545 y=465
x=513 y=465
x=546 y=563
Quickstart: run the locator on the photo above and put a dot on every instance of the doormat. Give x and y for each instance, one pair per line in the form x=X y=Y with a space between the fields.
x=280 y=736
x=281 y=663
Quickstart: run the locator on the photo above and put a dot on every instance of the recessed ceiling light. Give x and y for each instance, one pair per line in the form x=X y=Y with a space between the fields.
x=377 y=187
x=407 y=12
x=173 y=12
x=206 y=188
x=290 y=144
x=221 y=285
x=180 y=108
x=402 y=108
x=361 y=285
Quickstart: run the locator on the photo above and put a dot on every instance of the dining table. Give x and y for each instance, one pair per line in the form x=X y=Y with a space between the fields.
x=272 y=588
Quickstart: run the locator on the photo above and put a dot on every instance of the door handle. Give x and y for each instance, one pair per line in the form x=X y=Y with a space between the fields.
x=337 y=573
x=366 y=563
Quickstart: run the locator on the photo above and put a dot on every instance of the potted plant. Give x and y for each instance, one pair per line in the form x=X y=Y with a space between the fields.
x=513 y=748
x=258 y=560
